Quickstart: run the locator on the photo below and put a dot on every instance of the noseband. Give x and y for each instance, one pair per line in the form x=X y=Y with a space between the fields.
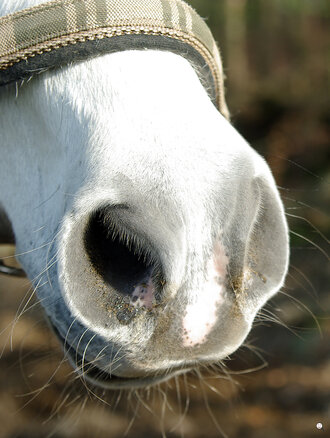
x=61 y=31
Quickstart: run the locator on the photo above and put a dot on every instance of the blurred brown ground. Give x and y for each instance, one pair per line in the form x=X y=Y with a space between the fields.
x=277 y=59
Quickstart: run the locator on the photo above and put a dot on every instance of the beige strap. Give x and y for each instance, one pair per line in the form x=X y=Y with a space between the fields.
x=60 y=23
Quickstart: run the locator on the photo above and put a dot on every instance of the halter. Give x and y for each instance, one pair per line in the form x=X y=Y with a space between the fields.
x=59 y=32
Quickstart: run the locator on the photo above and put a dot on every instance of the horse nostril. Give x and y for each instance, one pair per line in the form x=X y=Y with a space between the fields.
x=118 y=257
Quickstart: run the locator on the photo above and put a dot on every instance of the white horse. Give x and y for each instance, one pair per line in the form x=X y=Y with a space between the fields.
x=152 y=231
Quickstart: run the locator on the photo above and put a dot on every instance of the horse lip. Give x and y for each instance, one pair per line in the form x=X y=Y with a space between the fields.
x=101 y=378
x=110 y=381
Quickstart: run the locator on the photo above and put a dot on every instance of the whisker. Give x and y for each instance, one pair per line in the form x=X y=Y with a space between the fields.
x=38 y=391
x=314 y=294
x=58 y=408
x=312 y=243
x=134 y=416
x=304 y=204
x=311 y=224
x=144 y=404
x=208 y=408
x=303 y=306
x=163 y=410
x=178 y=394
x=18 y=316
x=25 y=252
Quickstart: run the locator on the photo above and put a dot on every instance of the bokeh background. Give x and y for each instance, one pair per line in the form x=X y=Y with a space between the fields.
x=276 y=56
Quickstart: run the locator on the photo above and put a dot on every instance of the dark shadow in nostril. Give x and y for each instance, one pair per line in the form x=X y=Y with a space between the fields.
x=117 y=260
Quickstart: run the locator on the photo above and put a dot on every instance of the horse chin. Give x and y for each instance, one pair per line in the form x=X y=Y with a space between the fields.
x=92 y=374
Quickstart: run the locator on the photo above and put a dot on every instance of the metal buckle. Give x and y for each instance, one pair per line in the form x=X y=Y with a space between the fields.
x=9 y=270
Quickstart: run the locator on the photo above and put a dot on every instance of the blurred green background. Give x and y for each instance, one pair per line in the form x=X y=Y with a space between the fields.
x=276 y=56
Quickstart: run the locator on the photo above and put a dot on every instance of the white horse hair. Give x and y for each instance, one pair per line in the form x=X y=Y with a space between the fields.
x=152 y=231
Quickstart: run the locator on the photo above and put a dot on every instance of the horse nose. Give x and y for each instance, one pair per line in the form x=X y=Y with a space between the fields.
x=119 y=257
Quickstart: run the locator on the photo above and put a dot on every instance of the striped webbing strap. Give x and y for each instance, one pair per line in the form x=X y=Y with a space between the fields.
x=47 y=28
